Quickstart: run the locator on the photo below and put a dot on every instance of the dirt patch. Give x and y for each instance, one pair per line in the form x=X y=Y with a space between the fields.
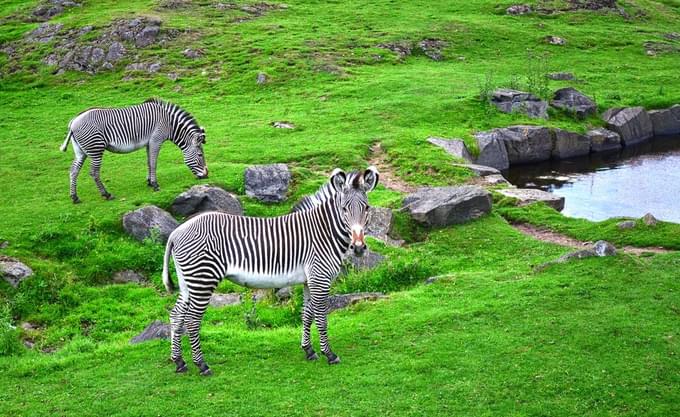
x=388 y=177
x=545 y=235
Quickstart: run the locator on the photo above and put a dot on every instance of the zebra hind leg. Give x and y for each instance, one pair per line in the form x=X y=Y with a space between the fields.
x=194 y=316
x=95 y=169
x=75 y=170
x=307 y=319
x=177 y=329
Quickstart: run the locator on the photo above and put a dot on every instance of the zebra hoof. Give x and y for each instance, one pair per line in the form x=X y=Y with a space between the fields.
x=181 y=366
x=153 y=185
x=333 y=359
x=107 y=196
x=75 y=199
x=203 y=369
x=310 y=355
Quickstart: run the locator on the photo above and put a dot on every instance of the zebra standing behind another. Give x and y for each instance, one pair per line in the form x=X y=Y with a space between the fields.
x=305 y=247
x=123 y=130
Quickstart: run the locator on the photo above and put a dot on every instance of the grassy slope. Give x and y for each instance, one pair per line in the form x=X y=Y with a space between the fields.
x=598 y=337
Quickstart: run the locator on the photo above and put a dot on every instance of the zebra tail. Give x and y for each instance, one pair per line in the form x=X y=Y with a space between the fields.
x=169 y=285
x=66 y=141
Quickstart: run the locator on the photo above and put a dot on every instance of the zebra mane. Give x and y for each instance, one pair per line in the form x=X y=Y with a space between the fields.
x=174 y=108
x=325 y=192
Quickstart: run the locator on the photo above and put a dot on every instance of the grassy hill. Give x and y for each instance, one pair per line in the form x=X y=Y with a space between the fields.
x=597 y=337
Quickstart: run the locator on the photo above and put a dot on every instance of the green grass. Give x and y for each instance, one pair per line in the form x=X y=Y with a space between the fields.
x=594 y=337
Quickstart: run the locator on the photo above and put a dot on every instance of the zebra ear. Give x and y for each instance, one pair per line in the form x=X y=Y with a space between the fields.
x=338 y=178
x=371 y=177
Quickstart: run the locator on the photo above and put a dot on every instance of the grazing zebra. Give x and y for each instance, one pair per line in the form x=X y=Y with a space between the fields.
x=123 y=130
x=305 y=247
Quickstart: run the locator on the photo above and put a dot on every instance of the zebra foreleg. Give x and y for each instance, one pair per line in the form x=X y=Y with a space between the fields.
x=307 y=319
x=176 y=330
x=95 y=168
x=193 y=319
x=75 y=170
x=319 y=299
x=151 y=158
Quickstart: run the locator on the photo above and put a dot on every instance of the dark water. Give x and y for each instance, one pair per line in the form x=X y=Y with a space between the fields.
x=637 y=180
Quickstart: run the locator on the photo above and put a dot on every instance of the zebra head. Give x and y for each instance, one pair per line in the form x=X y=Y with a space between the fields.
x=192 y=147
x=351 y=190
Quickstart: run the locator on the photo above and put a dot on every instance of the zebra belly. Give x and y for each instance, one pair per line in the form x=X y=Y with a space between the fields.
x=258 y=280
x=126 y=147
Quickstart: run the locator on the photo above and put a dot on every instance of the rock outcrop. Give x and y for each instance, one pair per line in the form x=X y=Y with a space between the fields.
x=492 y=150
x=602 y=140
x=666 y=121
x=267 y=183
x=509 y=101
x=149 y=222
x=569 y=144
x=573 y=101
x=200 y=198
x=631 y=123
x=526 y=144
x=443 y=206
x=454 y=147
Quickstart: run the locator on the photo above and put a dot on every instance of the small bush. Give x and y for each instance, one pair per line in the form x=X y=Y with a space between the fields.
x=391 y=276
x=9 y=335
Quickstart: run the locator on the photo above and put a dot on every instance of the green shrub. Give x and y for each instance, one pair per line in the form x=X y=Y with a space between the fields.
x=9 y=335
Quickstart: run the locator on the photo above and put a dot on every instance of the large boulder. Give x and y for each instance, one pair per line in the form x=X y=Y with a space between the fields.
x=631 y=123
x=509 y=101
x=454 y=147
x=267 y=183
x=368 y=260
x=155 y=330
x=602 y=140
x=13 y=270
x=526 y=144
x=443 y=206
x=531 y=195
x=149 y=222
x=492 y=150
x=379 y=225
x=339 y=301
x=666 y=121
x=573 y=101
x=200 y=198
x=570 y=144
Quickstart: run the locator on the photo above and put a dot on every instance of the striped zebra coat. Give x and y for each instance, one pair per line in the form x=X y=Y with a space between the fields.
x=123 y=130
x=306 y=247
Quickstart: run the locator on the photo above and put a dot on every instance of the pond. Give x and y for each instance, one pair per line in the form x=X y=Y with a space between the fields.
x=627 y=183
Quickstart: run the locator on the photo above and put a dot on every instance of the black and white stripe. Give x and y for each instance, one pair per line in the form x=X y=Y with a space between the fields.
x=305 y=247
x=123 y=130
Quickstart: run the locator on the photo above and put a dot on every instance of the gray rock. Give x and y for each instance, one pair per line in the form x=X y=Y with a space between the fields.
x=259 y=294
x=649 y=219
x=561 y=76
x=509 y=101
x=631 y=123
x=518 y=9
x=530 y=195
x=569 y=144
x=369 y=260
x=155 y=67
x=147 y=36
x=555 y=40
x=602 y=140
x=155 y=330
x=44 y=33
x=262 y=78
x=284 y=294
x=432 y=48
x=492 y=150
x=116 y=52
x=443 y=206
x=401 y=48
x=267 y=183
x=525 y=144
x=379 y=225
x=573 y=101
x=579 y=254
x=222 y=300
x=4 y=244
x=149 y=222
x=96 y=56
x=283 y=125
x=628 y=224
x=604 y=248
x=124 y=277
x=200 y=198
x=193 y=53
x=13 y=270
x=338 y=301
x=479 y=170
x=454 y=147
x=666 y=121
x=496 y=179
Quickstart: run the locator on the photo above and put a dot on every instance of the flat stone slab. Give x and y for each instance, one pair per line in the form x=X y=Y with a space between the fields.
x=149 y=222
x=338 y=301
x=492 y=150
x=530 y=195
x=480 y=170
x=443 y=206
x=526 y=144
x=14 y=271
x=454 y=147
x=155 y=330
x=509 y=101
x=602 y=140
x=201 y=198
x=633 y=124
x=666 y=121
x=267 y=183
x=571 y=100
x=569 y=144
